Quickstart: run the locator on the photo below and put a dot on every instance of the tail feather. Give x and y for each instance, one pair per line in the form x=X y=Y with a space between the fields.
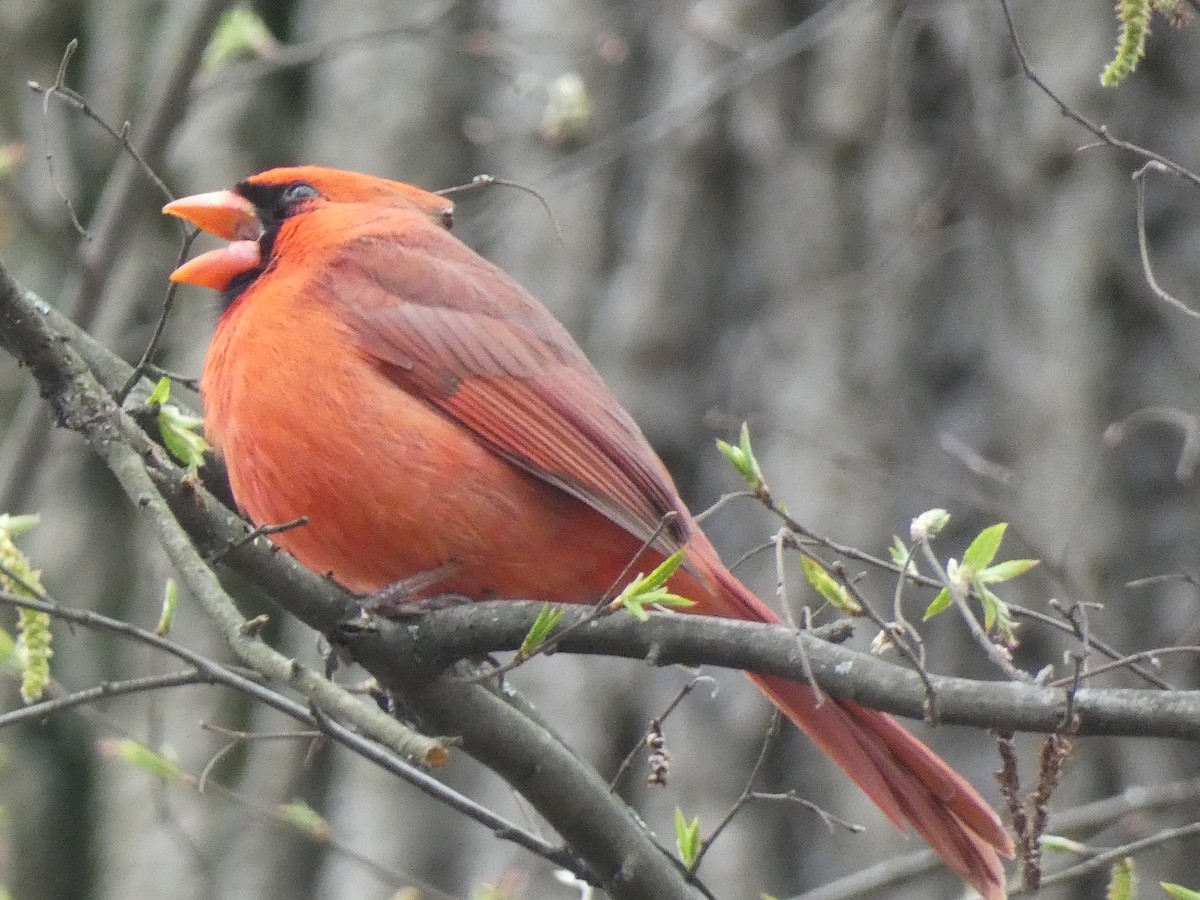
x=906 y=780
x=946 y=784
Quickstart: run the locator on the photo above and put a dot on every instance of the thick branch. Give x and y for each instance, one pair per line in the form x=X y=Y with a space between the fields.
x=470 y=631
x=561 y=787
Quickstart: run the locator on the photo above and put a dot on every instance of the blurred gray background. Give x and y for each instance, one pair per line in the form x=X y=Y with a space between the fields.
x=855 y=226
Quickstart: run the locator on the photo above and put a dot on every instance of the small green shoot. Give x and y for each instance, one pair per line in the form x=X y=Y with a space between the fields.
x=1122 y=880
x=901 y=556
x=169 y=605
x=1056 y=843
x=651 y=590
x=161 y=765
x=742 y=458
x=976 y=572
x=1178 y=891
x=305 y=819
x=240 y=32
x=687 y=838
x=547 y=618
x=180 y=431
x=828 y=587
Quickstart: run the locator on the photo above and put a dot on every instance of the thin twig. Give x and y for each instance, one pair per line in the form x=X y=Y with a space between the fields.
x=1187 y=423
x=483 y=180
x=898 y=641
x=365 y=747
x=81 y=297
x=1139 y=180
x=906 y=628
x=598 y=611
x=254 y=534
x=1101 y=132
x=240 y=738
x=59 y=87
x=718 y=84
x=80 y=104
x=724 y=499
x=656 y=725
x=283 y=58
x=831 y=821
x=1151 y=655
x=747 y=790
x=152 y=345
x=1102 y=860
x=103 y=691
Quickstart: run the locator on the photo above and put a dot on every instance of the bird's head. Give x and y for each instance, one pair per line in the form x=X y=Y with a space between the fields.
x=250 y=215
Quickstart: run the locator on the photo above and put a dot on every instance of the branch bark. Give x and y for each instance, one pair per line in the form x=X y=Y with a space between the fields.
x=623 y=856
x=416 y=659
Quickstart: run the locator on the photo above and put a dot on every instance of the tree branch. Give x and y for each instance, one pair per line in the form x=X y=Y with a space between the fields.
x=666 y=639
x=567 y=792
x=470 y=631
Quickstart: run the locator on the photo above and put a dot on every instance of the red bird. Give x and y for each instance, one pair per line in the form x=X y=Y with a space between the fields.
x=427 y=414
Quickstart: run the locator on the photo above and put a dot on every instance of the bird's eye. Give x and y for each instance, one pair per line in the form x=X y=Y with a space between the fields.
x=294 y=193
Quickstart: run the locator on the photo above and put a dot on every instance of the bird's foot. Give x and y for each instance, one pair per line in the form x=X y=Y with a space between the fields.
x=397 y=600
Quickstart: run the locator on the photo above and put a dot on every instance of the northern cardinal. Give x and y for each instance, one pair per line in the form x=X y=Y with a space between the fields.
x=427 y=414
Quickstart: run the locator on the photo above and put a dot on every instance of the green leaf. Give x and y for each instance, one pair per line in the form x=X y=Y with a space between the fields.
x=1056 y=843
x=991 y=603
x=636 y=604
x=1178 y=891
x=1122 y=881
x=940 y=603
x=547 y=618
x=305 y=819
x=995 y=613
x=829 y=587
x=169 y=605
x=160 y=765
x=240 y=32
x=180 y=431
x=983 y=549
x=161 y=393
x=649 y=590
x=18 y=525
x=743 y=460
x=687 y=838
x=1006 y=571
x=664 y=570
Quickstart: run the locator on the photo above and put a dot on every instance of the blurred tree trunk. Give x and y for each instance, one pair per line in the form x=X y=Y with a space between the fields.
x=884 y=246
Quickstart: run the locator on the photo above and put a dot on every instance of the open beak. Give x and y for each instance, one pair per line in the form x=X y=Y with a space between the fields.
x=227 y=215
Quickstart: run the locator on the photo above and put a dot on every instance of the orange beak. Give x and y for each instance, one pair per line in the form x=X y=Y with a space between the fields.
x=227 y=215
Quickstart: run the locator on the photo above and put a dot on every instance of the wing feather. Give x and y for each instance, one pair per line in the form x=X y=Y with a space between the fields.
x=448 y=326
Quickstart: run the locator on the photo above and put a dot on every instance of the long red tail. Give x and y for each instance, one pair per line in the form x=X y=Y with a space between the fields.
x=905 y=779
